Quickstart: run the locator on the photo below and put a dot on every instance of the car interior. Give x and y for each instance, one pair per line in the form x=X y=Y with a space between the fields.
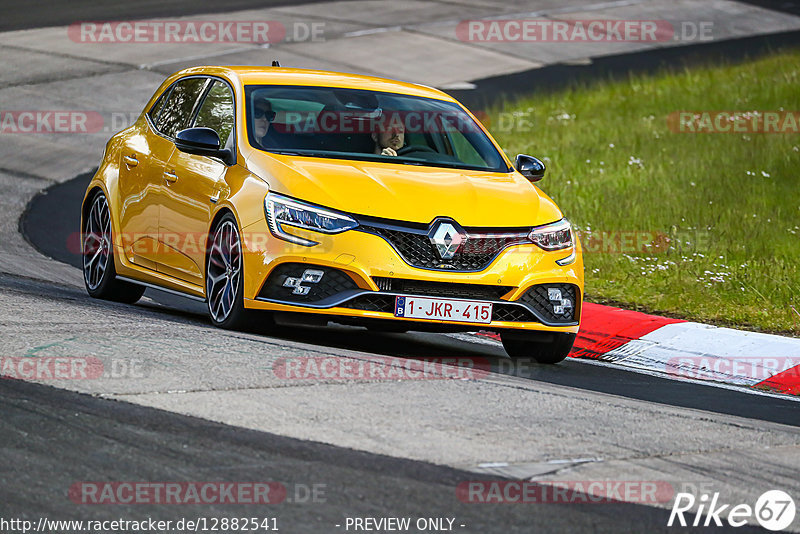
x=342 y=122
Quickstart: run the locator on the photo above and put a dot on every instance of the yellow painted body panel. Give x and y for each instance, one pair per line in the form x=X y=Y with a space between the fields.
x=408 y=193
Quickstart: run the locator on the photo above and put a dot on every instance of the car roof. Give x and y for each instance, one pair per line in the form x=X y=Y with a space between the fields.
x=254 y=75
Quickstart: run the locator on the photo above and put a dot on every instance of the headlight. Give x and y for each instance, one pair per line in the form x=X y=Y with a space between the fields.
x=284 y=211
x=554 y=236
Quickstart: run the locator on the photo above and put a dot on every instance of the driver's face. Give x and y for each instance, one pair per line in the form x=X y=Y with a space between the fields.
x=393 y=137
x=260 y=121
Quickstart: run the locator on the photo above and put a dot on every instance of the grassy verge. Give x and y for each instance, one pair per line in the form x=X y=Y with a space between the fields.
x=702 y=226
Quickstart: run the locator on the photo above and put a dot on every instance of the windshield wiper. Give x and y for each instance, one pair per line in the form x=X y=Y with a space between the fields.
x=378 y=159
x=307 y=153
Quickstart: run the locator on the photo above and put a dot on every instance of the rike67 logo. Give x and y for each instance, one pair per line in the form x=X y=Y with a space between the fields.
x=774 y=510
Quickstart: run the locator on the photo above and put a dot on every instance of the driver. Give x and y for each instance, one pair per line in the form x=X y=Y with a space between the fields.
x=262 y=122
x=389 y=138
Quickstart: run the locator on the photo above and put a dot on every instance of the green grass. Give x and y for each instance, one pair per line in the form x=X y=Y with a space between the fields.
x=731 y=202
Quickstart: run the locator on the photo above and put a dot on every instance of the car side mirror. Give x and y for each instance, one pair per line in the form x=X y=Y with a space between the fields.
x=531 y=168
x=202 y=142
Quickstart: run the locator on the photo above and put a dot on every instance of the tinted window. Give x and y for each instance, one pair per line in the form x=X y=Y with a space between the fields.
x=177 y=110
x=461 y=146
x=217 y=111
x=158 y=105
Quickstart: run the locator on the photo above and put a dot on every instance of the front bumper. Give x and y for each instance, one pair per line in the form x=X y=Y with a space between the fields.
x=364 y=274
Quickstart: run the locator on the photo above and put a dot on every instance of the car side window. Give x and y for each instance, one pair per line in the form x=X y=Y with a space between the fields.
x=217 y=112
x=176 y=113
x=156 y=109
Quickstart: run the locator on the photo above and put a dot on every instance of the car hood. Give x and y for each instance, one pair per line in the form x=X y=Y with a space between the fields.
x=407 y=192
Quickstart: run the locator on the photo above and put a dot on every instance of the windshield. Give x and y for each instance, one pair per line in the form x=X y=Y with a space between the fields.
x=367 y=125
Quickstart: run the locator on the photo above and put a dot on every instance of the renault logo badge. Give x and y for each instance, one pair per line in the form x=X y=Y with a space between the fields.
x=447 y=237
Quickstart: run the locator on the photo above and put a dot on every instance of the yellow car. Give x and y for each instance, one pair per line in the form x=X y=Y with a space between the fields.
x=334 y=197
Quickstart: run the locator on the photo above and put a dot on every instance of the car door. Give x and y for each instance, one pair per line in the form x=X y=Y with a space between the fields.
x=195 y=184
x=140 y=189
x=142 y=161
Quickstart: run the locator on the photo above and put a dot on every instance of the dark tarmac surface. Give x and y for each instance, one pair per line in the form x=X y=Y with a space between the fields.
x=52 y=439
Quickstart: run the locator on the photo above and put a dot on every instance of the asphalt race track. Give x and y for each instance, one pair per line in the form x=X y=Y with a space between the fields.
x=127 y=442
x=182 y=401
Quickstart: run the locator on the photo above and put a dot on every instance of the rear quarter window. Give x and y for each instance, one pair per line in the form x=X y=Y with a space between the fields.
x=177 y=111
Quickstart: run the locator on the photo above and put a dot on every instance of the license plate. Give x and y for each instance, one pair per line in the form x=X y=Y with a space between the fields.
x=468 y=311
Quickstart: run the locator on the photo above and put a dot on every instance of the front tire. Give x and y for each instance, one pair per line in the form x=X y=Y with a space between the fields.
x=99 y=273
x=546 y=348
x=224 y=277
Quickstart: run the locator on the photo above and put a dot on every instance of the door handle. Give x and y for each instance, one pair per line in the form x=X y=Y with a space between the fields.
x=130 y=161
x=219 y=190
x=171 y=177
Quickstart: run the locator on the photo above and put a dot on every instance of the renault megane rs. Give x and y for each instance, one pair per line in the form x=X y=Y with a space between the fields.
x=355 y=199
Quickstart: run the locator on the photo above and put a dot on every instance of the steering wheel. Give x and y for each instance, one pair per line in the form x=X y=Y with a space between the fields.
x=415 y=148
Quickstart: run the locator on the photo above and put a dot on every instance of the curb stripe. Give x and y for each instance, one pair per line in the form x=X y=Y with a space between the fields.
x=605 y=328
x=710 y=353
x=787 y=381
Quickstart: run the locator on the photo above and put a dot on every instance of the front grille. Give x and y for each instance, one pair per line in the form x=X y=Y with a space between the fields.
x=414 y=246
x=537 y=298
x=333 y=282
x=377 y=303
x=441 y=289
x=512 y=314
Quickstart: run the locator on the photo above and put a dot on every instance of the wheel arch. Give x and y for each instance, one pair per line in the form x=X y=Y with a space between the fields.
x=91 y=192
x=99 y=185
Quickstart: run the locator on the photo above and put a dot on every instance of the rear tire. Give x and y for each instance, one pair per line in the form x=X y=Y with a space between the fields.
x=540 y=348
x=99 y=273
